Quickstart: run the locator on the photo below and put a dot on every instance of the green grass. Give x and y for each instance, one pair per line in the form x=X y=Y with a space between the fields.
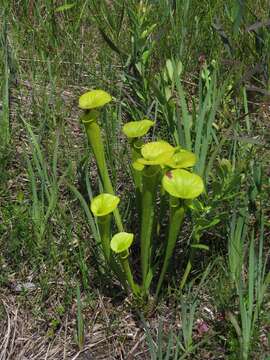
x=219 y=109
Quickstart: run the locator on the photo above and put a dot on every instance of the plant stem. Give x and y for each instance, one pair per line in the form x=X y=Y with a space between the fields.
x=95 y=140
x=162 y=209
x=186 y=273
x=5 y=121
x=177 y=213
x=188 y=268
x=136 y=145
x=150 y=180
x=104 y=225
x=80 y=320
x=126 y=267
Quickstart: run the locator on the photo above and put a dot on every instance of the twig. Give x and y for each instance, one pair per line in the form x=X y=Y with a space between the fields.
x=131 y=352
x=3 y=355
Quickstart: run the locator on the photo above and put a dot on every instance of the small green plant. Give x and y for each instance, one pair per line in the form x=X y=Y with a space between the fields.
x=179 y=344
x=44 y=186
x=159 y=171
x=251 y=285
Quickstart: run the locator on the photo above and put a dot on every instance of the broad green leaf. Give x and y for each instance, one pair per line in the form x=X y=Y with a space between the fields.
x=182 y=184
x=134 y=129
x=179 y=68
x=168 y=93
x=182 y=159
x=156 y=153
x=121 y=241
x=64 y=7
x=104 y=204
x=94 y=99
x=169 y=67
x=145 y=56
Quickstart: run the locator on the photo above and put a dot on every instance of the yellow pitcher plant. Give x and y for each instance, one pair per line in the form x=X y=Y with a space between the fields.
x=160 y=171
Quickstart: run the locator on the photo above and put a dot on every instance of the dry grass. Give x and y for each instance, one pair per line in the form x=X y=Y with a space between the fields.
x=25 y=337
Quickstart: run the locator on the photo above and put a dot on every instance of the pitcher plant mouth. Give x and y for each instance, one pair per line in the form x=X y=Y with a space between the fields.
x=94 y=99
x=136 y=129
x=104 y=204
x=89 y=116
x=183 y=184
x=156 y=153
x=121 y=242
x=182 y=159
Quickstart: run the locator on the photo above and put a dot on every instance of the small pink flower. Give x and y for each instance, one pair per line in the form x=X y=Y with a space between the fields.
x=202 y=327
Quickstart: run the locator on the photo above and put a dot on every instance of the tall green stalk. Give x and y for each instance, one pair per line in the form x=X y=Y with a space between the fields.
x=93 y=132
x=104 y=225
x=150 y=181
x=177 y=213
x=181 y=184
x=135 y=145
x=126 y=267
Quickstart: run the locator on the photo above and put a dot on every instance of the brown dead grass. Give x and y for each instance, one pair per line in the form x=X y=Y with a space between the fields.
x=24 y=337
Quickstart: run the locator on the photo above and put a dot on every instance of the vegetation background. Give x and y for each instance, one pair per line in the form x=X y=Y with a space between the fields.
x=211 y=58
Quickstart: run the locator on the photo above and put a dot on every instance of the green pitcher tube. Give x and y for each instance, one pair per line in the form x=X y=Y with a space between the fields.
x=150 y=181
x=93 y=132
x=177 y=213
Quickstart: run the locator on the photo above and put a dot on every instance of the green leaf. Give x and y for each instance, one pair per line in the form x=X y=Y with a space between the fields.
x=110 y=42
x=145 y=56
x=200 y=246
x=170 y=70
x=168 y=92
x=179 y=68
x=64 y=7
x=134 y=129
x=182 y=184
x=148 y=279
x=138 y=66
x=104 y=204
x=121 y=242
x=94 y=99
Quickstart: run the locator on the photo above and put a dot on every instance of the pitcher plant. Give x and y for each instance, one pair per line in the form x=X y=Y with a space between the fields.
x=164 y=186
